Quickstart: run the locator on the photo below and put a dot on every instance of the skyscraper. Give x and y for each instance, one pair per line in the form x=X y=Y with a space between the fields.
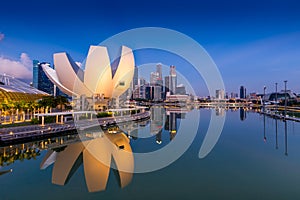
x=135 y=77
x=173 y=80
x=220 y=94
x=153 y=78
x=242 y=92
x=40 y=79
x=180 y=89
x=159 y=81
x=35 y=73
x=159 y=74
x=167 y=85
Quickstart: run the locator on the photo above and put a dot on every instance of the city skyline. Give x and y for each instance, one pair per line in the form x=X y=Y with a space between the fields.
x=253 y=43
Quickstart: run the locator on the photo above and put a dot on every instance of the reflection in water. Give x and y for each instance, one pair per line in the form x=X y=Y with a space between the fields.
x=220 y=111
x=265 y=137
x=172 y=115
x=285 y=138
x=5 y=172
x=96 y=156
x=158 y=137
x=242 y=114
x=276 y=130
x=276 y=134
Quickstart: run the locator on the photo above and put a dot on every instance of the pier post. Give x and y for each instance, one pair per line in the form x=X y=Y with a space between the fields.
x=62 y=119
x=43 y=121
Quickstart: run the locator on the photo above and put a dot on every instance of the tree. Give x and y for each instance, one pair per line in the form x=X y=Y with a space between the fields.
x=61 y=101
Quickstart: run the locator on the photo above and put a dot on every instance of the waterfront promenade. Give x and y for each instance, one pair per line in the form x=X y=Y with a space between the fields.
x=32 y=132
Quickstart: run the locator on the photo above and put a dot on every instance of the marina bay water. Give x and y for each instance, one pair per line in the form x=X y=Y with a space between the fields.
x=255 y=157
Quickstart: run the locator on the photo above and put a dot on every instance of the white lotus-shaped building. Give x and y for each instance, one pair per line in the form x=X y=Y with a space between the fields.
x=97 y=78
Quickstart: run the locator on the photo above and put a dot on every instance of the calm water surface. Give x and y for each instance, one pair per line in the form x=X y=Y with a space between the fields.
x=251 y=160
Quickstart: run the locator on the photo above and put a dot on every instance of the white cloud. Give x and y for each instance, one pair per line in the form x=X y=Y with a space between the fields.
x=2 y=36
x=19 y=68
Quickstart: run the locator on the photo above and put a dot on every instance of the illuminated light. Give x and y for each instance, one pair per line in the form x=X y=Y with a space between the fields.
x=49 y=128
x=10 y=133
x=173 y=131
x=158 y=141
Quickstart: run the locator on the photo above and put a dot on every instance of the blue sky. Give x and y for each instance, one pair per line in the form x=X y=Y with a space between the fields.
x=254 y=43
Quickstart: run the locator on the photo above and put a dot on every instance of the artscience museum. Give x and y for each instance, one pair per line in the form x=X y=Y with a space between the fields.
x=96 y=85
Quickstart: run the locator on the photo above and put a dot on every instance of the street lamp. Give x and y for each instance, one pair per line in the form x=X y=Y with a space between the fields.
x=276 y=94
x=285 y=100
x=264 y=99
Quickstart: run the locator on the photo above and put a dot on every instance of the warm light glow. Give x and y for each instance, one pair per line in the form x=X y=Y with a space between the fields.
x=96 y=78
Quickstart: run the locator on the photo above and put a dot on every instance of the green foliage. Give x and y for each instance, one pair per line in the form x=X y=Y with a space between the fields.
x=15 y=125
x=35 y=121
x=104 y=114
x=49 y=119
x=11 y=157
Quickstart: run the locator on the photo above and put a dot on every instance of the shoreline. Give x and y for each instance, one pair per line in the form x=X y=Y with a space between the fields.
x=34 y=132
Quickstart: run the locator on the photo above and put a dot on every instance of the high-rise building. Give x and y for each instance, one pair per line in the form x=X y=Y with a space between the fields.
x=173 y=82
x=180 y=89
x=153 y=78
x=35 y=73
x=159 y=80
x=167 y=85
x=149 y=92
x=139 y=90
x=172 y=70
x=153 y=92
x=135 y=76
x=40 y=79
x=242 y=92
x=233 y=95
x=220 y=94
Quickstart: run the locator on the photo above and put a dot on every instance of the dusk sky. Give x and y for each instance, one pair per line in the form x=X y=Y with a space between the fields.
x=253 y=43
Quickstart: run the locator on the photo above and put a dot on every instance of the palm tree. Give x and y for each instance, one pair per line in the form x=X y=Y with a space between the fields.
x=1 y=110
x=22 y=108
x=11 y=106
x=18 y=107
x=61 y=101
x=4 y=109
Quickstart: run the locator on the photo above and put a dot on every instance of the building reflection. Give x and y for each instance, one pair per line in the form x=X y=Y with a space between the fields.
x=242 y=114
x=97 y=156
x=172 y=116
x=157 y=118
x=220 y=111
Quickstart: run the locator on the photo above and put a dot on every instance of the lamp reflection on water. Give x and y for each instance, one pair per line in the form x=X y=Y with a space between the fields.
x=96 y=156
